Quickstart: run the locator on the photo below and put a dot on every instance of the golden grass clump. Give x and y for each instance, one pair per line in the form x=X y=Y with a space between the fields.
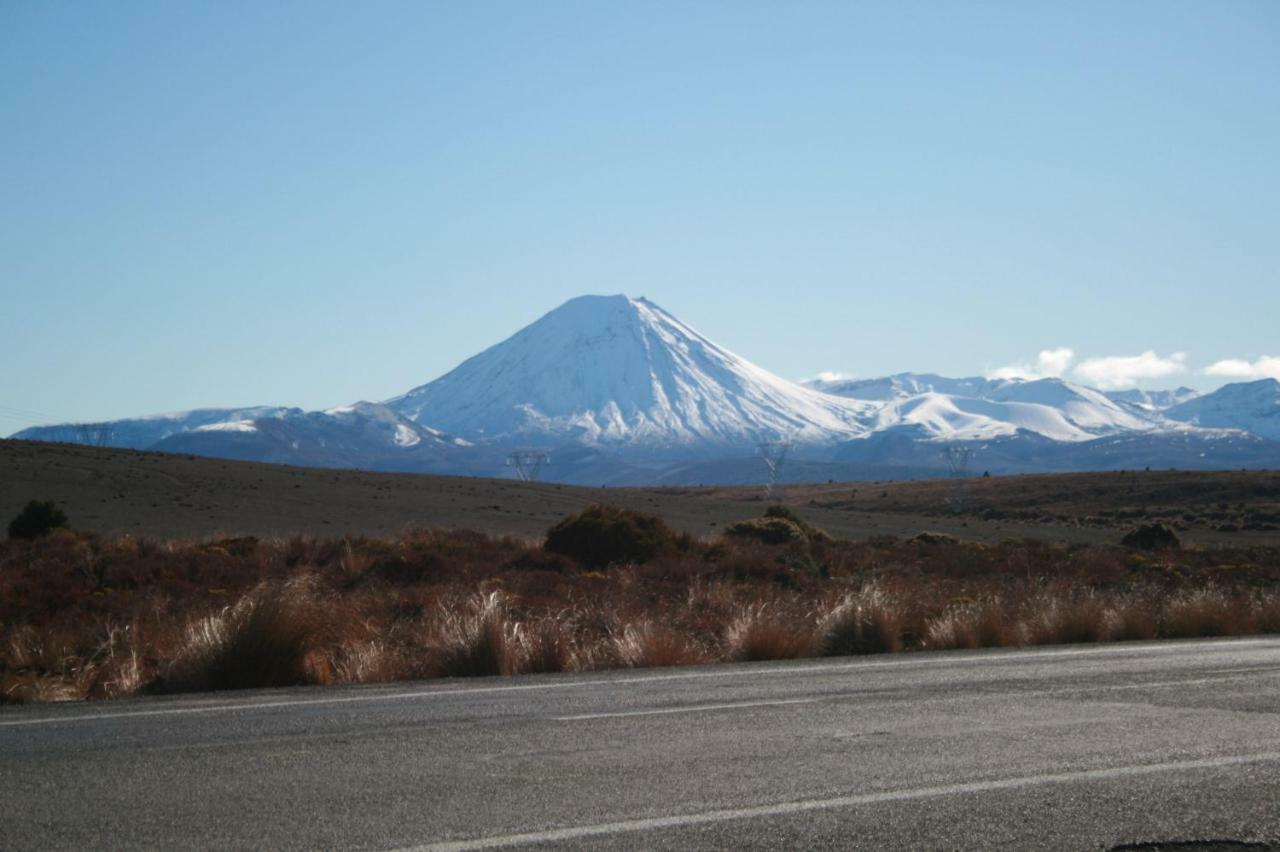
x=283 y=634
x=868 y=621
x=763 y=632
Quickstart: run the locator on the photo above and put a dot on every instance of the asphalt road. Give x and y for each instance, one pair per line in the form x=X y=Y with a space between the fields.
x=1074 y=748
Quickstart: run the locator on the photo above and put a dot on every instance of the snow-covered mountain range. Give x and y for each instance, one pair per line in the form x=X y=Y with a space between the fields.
x=620 y=390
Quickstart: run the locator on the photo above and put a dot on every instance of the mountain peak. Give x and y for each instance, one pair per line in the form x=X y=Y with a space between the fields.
x=1253 y=406
x=612 y=369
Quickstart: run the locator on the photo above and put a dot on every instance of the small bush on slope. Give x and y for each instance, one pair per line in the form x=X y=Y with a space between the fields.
x=779 y=525
x=767 y=530
x=601 y=536
x=38 y=518
x=1152 y=537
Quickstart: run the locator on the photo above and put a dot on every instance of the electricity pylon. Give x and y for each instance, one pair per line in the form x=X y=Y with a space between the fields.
x=774 y=454
x=528 y=463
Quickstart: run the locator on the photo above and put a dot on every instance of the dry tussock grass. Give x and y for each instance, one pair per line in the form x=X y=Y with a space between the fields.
x=869 y=621
x=648 y=644
x=767 y=631
x=86 y=616
x=277 y=635
x=973 y=624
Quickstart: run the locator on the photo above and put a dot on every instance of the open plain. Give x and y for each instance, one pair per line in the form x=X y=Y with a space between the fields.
x=165 y=495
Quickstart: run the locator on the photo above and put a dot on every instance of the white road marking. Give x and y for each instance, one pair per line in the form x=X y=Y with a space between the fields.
x=1223 y=676
x=860 y=665
x=693 y=708
x=1153 y=684
x=805 y=805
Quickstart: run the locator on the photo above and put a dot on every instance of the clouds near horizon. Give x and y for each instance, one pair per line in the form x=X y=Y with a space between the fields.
x=1109 y=372
x=1125 y=371
x=1050 y=363
x=1116 y=372
x=1265 y=367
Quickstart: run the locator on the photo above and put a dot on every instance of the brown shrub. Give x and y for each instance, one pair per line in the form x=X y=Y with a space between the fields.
x=600 y=536
x=1152 y=537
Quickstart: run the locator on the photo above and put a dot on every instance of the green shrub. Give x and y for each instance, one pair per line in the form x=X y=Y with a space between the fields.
x=1152 y=537
x=767 y=530
x=600 y=536
x=779 y=511
x=37 y=518
x=779 y=525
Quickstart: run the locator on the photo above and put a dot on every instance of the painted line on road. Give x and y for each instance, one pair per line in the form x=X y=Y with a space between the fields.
x=1154 y=684
x=431 y=693
x=806 y=805
x=695 y=708
x=1222 y=676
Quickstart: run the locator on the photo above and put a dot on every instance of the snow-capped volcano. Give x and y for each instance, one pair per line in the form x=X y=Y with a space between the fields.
x=626 y=393
x=609 y=370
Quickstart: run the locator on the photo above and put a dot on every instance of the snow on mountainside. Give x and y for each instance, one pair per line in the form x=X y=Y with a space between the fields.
x=903 y=386
x=956 y=418
x=978 y=409
x=1251 y=406
x=1151 y=400
x=139 y=433
x=1087 y=409
x=612 y=370
x=365 y=434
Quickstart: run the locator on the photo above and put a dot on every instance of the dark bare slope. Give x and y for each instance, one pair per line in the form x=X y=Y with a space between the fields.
x=160 y=494
x=1213 y=501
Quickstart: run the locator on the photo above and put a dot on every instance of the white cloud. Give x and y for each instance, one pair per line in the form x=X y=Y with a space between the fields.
x=1125 y=371
x=1050 y=363
x=830 y=376
x=1266 y=367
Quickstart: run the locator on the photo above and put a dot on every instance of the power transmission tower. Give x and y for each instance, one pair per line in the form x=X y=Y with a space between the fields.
x=94 y=434
x=774 y=454
x=958 y=458
x=528 y=463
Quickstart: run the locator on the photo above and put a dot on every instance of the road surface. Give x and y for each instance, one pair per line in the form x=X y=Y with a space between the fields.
x=1068 y=748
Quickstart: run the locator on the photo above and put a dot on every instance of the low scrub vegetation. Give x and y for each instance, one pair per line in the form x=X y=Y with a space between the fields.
x=90 y=616
x=608 y=535
x=37 y=518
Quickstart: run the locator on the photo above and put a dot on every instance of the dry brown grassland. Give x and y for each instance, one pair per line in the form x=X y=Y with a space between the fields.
x=84 y=615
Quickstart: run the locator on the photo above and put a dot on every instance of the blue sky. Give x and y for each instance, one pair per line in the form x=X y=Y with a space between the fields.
x=310 y=203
